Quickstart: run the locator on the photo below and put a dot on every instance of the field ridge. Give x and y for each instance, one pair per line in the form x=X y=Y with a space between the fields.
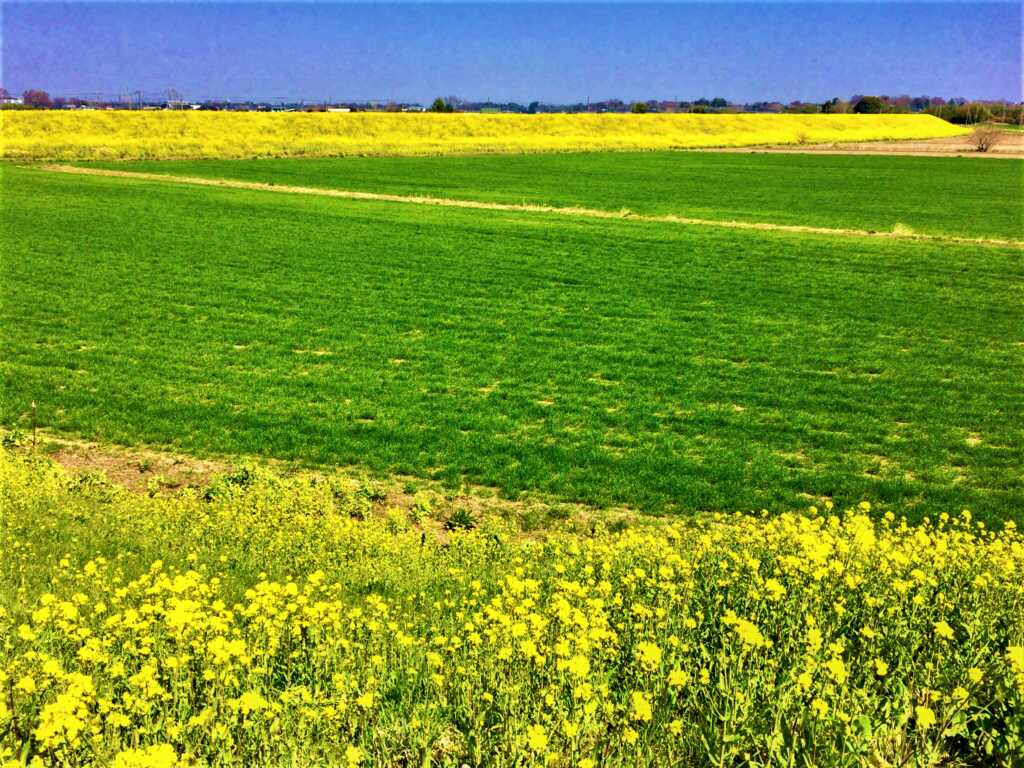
x=577 y=211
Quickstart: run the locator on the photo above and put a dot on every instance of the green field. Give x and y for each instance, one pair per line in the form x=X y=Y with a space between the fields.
x=952 y=196
x=606 y=361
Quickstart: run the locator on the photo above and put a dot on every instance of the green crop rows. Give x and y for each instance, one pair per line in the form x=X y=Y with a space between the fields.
x=659 y=366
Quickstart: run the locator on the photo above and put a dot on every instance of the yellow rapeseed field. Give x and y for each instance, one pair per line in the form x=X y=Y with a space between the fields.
x=275 y=622
x=107 y=135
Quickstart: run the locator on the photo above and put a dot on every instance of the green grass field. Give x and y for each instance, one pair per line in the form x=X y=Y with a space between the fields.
x=953 y=196
x=606 y=361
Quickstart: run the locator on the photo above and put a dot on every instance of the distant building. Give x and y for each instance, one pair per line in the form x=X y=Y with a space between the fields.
x=339 y=109
x=11 y=100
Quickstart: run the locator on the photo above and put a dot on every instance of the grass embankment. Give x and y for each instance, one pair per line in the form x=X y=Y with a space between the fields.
x=945 y=196
x=609 y=362
x=98 y=135
x=265 y=622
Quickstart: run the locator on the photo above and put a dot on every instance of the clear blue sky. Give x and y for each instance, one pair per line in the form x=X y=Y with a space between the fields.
x=559 y=52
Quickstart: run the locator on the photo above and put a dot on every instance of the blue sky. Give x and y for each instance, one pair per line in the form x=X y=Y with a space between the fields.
x=554 y=52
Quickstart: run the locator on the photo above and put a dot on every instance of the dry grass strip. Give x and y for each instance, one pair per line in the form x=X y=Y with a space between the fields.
x=593 y=213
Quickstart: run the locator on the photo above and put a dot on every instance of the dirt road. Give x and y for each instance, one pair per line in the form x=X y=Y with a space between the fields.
x=1010 y=145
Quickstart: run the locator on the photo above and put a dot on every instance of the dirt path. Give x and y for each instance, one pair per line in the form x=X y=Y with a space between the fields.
x=521 y=208
x=1009 y=146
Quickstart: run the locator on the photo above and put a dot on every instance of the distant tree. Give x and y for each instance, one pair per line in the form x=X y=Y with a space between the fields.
x=40 y=99
x=962 y=114
x=975 y=112
x=440 y=105
x=802 y=108
x=4 y=94
x=638 y=108
x=869 y=105
x=719 y=103
x=944 y=111
x=835 y=106
x=920 y=103
x=534 y=106
x=765 y=106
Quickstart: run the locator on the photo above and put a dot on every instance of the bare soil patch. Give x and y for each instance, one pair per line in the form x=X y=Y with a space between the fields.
x=1009 y=145
x=146 y=470
x=140 y=470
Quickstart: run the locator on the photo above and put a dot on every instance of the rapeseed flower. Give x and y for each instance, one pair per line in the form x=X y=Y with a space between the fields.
x=649 y=655
x=537 y=737
x=584 y=639
x=677 y=678
x=250 y=702
x=578 y=665
x=94 y=135
x=154 y=756
x=640 y=707
x=837 y=670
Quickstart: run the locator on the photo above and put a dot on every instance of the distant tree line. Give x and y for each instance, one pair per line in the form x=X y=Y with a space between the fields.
x=957 y=110
x=979 y=112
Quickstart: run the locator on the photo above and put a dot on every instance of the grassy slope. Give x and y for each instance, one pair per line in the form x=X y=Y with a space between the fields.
x=606 y=361
x=933 y=195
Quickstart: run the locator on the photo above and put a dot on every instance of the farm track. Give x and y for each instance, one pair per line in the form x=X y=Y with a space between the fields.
x=570 y=211
x=1009 y=146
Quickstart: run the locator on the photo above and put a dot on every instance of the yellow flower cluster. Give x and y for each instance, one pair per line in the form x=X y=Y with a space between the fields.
x=99 y=135
x=266 y=622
